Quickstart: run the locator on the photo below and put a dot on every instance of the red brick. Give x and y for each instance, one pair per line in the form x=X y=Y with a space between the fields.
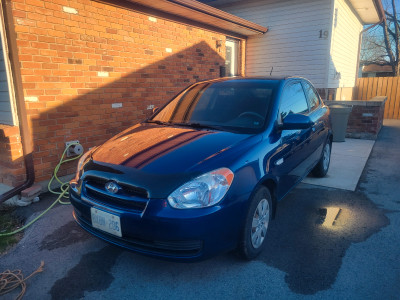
x=49 y=66
x=39 y=31
x=32 y=191
x=61 y=2
x=35 y=3
x=20 y=14
x=34 y=92
x=21 y=43
x=52 y=6
x=25 y=57
x=54 y=20
x=46 y=39
x=20 y=28
x=45 y=25
x=56 y=33
x=36 y=17
x=39 y=45
x=21 y=6
x=32 y=78
x=57 y=47
x=7 y=131
x=48 y=52
x=41 y=59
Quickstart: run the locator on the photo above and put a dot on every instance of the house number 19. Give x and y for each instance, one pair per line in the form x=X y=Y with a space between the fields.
x=323 y=34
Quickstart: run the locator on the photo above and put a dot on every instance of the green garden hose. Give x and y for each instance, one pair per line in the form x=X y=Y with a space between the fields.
x=63 y=194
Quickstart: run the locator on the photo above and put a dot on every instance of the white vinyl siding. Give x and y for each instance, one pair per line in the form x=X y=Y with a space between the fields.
x=344 y=46
x=292 y=45
x=6 y=115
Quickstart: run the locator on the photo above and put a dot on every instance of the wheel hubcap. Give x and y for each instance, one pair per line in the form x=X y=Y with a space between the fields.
x=260 y=223
x=327 y=156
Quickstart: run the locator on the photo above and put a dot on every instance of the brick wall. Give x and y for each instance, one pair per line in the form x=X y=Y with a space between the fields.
x=365 y=121
x=78 y=57
x=12 y=171
x=366 y=117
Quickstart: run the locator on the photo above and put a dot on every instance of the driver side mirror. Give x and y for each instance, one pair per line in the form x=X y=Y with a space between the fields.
x=296 y=121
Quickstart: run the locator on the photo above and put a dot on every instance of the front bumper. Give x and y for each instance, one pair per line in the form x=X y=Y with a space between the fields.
x=161 y=231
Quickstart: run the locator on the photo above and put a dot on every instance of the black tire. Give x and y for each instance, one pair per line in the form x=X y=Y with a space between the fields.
x=248 y=247
x=322 y=166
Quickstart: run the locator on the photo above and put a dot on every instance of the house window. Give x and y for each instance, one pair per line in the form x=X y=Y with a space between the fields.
x=7 y=106
x=232 y=57
x=5 y=103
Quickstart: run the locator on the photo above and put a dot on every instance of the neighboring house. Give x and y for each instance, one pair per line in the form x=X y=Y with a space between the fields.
x=317 y=39
x=376 y=70
x=86 y=70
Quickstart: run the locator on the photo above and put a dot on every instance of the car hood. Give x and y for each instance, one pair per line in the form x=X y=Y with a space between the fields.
x=165 y=149
x=159 y=159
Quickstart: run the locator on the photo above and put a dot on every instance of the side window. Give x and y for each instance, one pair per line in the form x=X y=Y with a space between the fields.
x=313 y=98
x=293 y=100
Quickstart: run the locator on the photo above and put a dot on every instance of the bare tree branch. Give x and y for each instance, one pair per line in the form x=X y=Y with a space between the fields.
x=392 y=18
x=389 y=51
x=397 y=38
x=384 y=47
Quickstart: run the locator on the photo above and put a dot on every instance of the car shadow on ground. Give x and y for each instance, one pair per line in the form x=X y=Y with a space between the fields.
x=307 y=240
x=313 y=229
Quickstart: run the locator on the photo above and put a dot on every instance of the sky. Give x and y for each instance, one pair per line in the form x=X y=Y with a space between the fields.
x=386 y=2
x=368 y=50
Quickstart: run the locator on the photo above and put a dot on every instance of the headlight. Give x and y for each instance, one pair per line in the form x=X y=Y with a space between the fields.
x=81 y=161
x=203 y=191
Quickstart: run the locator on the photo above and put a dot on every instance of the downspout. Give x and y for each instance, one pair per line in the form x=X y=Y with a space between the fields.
x=382 y=17
x=26 y=138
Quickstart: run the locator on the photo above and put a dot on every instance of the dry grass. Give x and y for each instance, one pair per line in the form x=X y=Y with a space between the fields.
x=8 y=222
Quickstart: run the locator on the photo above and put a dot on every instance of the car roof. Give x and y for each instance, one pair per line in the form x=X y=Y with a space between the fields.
x=239 y=78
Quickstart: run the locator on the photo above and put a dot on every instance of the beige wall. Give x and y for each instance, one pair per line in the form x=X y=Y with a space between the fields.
x=292 y=45
x=344 y=48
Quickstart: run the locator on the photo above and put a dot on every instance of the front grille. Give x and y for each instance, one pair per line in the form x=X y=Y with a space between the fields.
x=128 y=190
x=115 y=201
x=127 y=198
x=189 y=248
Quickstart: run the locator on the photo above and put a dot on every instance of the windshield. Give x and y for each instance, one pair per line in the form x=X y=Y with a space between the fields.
x=228 y=105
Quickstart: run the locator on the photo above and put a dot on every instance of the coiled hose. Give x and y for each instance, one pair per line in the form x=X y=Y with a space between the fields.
x=63 y=194
x=10 y=280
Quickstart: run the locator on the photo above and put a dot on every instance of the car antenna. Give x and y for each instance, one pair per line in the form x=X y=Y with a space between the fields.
x=270 y=73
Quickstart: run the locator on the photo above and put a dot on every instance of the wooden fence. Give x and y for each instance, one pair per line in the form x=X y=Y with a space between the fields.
x=367 y=88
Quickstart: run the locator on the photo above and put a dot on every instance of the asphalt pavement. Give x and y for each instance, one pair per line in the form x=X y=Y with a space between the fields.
x=325 y=243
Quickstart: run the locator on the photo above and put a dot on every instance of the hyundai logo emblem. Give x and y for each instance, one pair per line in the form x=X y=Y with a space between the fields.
x=112 y=187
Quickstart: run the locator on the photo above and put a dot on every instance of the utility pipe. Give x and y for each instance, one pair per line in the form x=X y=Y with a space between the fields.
x=26 y=138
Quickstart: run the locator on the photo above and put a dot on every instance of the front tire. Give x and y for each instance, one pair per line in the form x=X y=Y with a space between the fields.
x=322 y=166
x=256 y=224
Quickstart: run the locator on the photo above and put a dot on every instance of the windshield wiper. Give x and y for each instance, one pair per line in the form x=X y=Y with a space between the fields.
x=157 y=122
x=192 y=125
x=198 y=125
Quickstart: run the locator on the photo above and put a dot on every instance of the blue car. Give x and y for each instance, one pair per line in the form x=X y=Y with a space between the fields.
x=204 y=173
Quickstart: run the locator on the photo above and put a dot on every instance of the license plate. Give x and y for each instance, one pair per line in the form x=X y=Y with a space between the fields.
x=106 y=222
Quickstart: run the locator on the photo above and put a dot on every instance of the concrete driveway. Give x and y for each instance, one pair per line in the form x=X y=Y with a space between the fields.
x=324 y=244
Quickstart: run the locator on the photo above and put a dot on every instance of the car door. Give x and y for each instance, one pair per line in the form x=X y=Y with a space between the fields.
x=293 y=143
x=316 y=114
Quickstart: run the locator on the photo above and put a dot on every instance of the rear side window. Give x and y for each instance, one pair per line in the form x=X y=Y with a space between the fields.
x=312 y=95
x=293 y=100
